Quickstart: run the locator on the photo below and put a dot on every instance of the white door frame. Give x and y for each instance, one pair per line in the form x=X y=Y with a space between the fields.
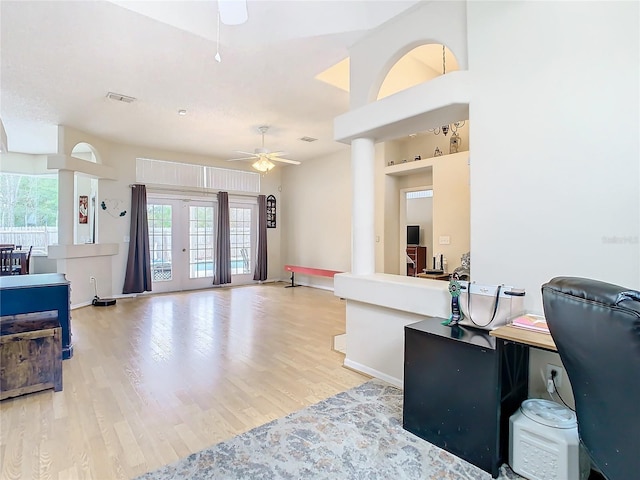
x=180 y=240
x=252 y=203
x=180 y=252
x=402 y=234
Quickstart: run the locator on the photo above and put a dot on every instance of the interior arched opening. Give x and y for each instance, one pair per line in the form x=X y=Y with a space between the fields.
x=433 y=159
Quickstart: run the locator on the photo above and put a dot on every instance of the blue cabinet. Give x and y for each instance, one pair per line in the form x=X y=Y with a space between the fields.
x=39 y=293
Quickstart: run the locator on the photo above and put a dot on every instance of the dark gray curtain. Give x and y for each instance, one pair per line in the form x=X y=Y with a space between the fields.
x=223 y=244
x=260 y=272
x=138 y=275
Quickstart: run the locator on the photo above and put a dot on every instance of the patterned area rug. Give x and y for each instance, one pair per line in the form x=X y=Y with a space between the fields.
x=356 y=434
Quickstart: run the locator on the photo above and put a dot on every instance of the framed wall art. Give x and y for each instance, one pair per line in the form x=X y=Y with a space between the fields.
x=271 y=211
x=83 y=209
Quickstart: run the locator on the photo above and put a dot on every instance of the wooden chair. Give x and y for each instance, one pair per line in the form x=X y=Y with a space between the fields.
x=28 y=259
x=17 y=266
x=6 y=256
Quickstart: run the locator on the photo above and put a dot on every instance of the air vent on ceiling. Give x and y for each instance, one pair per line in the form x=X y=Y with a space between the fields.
x=120 y=98
x=308 y=139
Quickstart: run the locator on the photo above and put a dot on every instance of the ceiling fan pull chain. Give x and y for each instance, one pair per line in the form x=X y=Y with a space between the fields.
x=217 y=57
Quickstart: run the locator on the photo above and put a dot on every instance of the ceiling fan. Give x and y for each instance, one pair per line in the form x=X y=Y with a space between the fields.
x=263 y=157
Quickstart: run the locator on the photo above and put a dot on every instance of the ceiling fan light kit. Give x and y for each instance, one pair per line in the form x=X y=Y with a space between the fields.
x=263 y=165
x=263 y=157
x=217 y=56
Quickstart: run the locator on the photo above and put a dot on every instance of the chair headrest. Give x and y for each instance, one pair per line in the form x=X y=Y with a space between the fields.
x=595 y=291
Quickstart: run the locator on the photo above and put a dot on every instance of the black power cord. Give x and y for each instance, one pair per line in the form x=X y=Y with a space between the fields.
x=554 y=374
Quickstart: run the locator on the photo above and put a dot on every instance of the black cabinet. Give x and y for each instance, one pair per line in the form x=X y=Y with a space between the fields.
x=460 y=388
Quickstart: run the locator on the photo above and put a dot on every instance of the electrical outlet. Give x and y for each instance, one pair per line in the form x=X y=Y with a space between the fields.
x=444 y=240
x=559 y=372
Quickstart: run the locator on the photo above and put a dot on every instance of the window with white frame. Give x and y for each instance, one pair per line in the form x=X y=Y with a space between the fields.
x=29 y=210
x=187 y=175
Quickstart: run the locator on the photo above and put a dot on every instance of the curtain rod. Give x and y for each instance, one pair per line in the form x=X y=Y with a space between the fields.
x=195 y=190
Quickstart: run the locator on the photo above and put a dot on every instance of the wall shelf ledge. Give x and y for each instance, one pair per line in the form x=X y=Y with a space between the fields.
x=67 y=162
x=440 y=101
x=86 y=250
x=416 y=166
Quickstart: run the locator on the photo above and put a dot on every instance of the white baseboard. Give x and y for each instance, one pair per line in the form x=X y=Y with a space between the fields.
x=80 y=305
x=253 y=282
x=340 y=343
x=396 y=382
x=307 y=284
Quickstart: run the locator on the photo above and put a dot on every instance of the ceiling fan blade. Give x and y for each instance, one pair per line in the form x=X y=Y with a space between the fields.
x=245 y=153
x=285 y=160
x=276 y=154
x=243 y=158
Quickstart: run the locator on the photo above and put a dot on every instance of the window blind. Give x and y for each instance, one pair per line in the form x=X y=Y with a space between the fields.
x=162 y=172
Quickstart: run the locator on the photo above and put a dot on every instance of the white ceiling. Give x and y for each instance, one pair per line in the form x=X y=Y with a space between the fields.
x=60 y=58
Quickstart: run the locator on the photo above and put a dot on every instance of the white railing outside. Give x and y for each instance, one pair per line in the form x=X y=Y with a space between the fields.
x=39 y=237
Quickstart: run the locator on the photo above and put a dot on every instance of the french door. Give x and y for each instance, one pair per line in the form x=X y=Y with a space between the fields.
x=182 y=236
x=243 y=228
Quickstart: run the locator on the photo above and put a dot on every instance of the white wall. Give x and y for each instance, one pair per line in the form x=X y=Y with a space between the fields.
x=554 y=146
x=387 y=208
x=11 y=162
x=449 y=177
x=372 y=58
x=554 y=165
x=123 y=159
x=451 y=207
x=316 y=213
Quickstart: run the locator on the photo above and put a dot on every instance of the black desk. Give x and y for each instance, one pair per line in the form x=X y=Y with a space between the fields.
x=39 y=293
x=460 y=388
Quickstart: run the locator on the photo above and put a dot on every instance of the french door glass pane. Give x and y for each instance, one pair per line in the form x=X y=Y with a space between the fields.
x=159 y=218
x=240 y=223
x=200 y=242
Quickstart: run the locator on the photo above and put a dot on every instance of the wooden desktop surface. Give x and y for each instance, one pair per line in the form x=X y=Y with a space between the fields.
x=434 y=276
x=528 y=337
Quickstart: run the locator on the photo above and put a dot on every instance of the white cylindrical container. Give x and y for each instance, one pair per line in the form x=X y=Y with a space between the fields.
x=544 y=443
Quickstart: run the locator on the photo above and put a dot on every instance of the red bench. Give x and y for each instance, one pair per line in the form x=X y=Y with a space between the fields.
x=318 y=272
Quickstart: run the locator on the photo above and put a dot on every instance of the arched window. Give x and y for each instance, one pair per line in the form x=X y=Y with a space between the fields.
x=419 y=65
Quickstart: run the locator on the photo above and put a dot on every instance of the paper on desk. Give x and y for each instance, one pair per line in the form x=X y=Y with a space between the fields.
x=530 y=321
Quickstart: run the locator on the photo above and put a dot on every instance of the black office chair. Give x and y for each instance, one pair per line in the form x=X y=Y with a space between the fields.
x=596 y=328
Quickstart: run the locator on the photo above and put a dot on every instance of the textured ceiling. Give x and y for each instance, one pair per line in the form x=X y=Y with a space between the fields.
x=60 y=58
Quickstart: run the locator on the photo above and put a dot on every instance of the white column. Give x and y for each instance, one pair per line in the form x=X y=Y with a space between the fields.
x=363 y=206
x=66 y=206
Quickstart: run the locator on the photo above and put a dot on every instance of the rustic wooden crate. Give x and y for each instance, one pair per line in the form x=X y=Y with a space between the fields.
x=30 y=353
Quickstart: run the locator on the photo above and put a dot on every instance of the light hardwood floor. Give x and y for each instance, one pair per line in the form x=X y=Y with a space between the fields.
x=156 y=378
